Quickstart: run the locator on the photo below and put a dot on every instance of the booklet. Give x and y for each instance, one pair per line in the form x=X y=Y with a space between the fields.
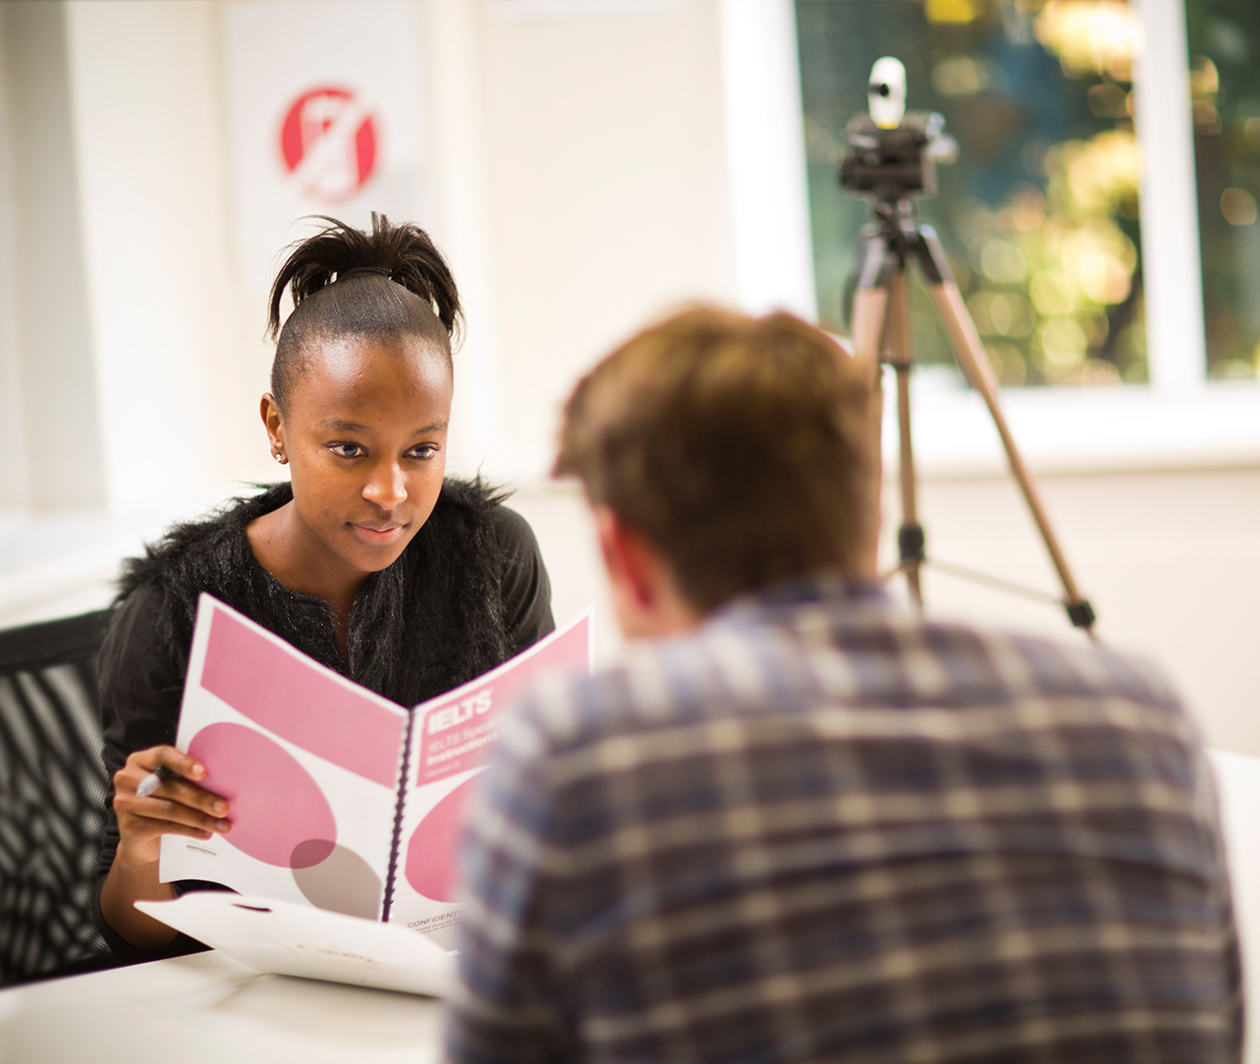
x=340 y=798
x=287 y=939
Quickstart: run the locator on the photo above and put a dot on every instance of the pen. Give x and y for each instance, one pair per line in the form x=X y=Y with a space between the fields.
x=150 y=782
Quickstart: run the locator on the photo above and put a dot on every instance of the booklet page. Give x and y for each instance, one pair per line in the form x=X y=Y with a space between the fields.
x=308 y=759
x=449 y=742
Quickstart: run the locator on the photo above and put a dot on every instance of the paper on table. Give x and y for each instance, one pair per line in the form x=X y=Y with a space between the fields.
x=293 y=939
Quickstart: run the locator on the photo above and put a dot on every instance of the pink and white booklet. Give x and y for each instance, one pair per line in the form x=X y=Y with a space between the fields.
x=341 y=799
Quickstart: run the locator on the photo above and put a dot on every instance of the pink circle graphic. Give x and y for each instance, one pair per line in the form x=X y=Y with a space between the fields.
x=279 y=815
x=431 y=852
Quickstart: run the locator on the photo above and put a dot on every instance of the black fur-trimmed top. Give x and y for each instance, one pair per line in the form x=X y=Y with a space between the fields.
x=450 y=608
x=468 y=592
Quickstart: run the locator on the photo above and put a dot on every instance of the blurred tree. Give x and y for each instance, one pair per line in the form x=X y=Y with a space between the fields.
x=1040 y=214
x=1224 y=40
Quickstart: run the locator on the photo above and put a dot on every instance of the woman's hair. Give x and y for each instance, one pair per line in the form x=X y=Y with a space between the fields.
x=384 y=284
x=745 y=449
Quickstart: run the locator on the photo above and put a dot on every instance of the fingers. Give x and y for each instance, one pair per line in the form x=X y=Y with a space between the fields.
x=181 y=794
x=155 y=794
x=174 y=761
x=167 y=816
x=169 y=763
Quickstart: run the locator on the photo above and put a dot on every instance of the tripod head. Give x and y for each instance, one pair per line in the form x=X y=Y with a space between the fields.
x=891 y=154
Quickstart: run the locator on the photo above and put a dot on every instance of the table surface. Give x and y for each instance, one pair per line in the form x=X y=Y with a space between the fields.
x=207 y=1007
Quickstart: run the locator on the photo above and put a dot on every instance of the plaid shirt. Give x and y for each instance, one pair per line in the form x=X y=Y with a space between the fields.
x=818 y=829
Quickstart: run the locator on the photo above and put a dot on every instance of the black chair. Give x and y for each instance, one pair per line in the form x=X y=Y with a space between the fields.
x=52 y=798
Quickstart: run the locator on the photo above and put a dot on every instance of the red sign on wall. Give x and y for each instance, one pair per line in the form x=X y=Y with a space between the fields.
x=329 y=143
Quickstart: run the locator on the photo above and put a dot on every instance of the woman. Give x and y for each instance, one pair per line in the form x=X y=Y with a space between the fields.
x=369 y=560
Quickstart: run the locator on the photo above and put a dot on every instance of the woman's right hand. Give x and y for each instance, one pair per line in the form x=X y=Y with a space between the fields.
x=178 y=805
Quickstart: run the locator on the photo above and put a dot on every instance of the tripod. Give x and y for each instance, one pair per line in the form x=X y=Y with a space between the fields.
x=881 y=334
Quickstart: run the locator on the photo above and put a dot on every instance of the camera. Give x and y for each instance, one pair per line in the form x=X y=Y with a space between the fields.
x=891 y=154
x=886 y=92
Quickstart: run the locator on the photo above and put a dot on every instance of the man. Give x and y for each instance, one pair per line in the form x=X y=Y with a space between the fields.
x=798 y=823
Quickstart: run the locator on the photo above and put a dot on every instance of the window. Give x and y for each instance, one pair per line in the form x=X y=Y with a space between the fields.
x=1224 y=46
x=1080 y=265
x=1039 y=214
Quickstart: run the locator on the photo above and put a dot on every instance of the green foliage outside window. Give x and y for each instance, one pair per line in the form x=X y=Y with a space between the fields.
x=1224 y=40
x=1039 y=215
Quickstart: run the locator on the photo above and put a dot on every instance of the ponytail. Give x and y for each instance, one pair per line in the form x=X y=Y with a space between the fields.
x=385 y=284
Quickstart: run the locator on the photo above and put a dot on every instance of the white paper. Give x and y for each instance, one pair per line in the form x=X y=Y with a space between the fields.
x=292 y=939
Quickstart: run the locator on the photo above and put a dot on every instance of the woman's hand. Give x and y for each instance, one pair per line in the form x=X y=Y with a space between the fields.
x=177 y=805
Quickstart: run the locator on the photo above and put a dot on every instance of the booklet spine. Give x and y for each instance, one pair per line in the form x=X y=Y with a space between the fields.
x=395 y=840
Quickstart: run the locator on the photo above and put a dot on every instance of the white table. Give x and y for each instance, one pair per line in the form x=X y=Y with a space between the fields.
x=208 y=1008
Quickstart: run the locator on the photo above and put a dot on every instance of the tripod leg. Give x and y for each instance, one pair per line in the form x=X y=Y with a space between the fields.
x=869 y=309
x=975 y=365
x=910 y=538
x=870 y=299
x=881 y=322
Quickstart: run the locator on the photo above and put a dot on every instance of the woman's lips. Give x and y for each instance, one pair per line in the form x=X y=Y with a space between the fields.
x=378 y=535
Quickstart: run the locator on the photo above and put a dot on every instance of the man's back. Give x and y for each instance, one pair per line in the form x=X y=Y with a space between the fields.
x=817 y=829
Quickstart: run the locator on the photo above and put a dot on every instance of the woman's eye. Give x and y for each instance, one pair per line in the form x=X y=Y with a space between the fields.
x=424 y=451
x=346 y=450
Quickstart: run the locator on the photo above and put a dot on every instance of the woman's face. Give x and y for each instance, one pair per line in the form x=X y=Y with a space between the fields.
x=364 y=430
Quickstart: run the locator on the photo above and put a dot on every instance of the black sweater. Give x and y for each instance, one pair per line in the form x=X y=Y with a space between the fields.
x=468 y=592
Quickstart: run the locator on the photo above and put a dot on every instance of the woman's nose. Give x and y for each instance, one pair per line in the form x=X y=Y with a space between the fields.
x=386 y=487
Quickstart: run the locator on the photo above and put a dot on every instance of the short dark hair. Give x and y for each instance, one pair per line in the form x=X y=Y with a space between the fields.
x=745 y=449
x=385 y=283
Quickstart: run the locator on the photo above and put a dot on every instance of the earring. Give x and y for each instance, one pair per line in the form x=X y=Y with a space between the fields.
x=279 y=457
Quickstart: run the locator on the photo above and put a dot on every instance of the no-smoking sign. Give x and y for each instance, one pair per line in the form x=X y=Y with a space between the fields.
x=328 y=142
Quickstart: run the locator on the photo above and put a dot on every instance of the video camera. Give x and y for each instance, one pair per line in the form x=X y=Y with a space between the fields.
x=889 y=154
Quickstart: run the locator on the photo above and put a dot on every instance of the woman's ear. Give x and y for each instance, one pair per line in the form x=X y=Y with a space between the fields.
x=269 y=410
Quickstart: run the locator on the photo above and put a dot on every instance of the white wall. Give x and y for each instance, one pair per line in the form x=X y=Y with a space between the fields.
x=1170 y=560
x=146 y=100
x=51 y=390
x=579 y=170
x=606 y=162
x=14 y=483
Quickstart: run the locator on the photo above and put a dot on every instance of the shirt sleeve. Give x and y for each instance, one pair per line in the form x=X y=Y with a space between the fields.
x=525 y=585
x=508 y=1004
x=139 y=685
